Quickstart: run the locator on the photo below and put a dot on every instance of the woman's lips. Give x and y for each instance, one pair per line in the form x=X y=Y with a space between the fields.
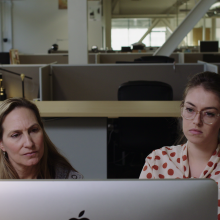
x=30 y=153
x=195 y=131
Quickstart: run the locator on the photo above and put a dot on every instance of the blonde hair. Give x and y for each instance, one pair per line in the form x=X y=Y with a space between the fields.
x=51 y=157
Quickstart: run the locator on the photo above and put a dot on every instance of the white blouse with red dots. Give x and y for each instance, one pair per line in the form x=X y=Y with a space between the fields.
x=172 y=163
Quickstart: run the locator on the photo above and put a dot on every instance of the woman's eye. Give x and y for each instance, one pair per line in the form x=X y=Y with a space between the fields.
x=189 y=110
x=35 y=130
x=210 y=114
x=14 y=135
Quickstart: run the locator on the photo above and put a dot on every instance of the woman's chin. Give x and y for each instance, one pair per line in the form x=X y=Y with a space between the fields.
x=32 y=162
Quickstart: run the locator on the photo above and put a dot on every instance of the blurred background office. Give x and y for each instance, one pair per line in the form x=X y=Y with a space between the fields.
x=33 y=26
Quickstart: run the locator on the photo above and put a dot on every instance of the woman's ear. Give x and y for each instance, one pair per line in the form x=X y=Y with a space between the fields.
x=2 y=146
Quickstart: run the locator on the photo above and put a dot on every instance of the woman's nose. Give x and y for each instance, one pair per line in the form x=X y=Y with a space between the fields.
x=197 y=120
x=28 y=142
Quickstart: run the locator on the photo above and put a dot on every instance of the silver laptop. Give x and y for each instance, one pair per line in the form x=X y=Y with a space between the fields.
x=109 y=200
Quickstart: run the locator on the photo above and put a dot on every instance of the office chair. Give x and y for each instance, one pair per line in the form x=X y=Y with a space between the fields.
x=155 y=59
x=139 y=136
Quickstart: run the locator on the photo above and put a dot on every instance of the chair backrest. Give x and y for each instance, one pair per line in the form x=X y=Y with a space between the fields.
x=149 y=133
x=156 y=59
x=145 y=90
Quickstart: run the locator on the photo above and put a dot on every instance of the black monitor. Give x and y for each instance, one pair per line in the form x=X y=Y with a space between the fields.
x=208 y=46
x=126 y=49
x=4 y=58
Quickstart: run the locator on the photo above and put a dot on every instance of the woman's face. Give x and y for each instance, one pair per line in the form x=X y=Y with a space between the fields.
x=196 y=131
x=22 y=138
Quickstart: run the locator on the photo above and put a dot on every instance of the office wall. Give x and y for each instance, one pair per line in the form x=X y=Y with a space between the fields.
x=37 y=24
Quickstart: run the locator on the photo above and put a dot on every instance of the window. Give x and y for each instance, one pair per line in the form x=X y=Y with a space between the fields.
x=126 y=32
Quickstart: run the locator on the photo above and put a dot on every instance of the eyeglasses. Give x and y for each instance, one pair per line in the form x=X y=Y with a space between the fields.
x=208 y=116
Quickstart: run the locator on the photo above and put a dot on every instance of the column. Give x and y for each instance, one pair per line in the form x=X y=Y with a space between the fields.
x=213 y=33
x=107 y=22
x=78 y=32
x=203 y=30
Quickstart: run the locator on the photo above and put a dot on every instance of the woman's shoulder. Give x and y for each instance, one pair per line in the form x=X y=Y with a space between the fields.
x=74 y=175
x=167 y=150
x=62 y=172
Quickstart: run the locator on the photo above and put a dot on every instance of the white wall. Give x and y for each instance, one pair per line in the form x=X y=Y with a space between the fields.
x=95 y=25
x=37 y=24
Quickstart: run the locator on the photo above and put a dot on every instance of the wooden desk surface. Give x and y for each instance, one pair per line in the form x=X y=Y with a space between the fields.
x=109 y=109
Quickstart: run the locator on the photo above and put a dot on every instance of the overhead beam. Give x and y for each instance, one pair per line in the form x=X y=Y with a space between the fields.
x=143 y=16
x=178 y=3
x=114 y=3
x=183 y=29
x=149 y=30
x=168 y=24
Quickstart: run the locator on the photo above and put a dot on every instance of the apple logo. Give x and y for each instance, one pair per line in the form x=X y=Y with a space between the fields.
x=80 y=215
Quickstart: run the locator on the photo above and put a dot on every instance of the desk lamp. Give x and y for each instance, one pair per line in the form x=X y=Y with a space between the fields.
x=18 y=74
x=2 y=90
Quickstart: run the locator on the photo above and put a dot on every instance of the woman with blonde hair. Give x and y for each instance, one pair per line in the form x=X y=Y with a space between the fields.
x=26 y=150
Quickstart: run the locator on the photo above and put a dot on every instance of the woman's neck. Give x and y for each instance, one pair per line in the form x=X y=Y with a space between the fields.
x=26 y=172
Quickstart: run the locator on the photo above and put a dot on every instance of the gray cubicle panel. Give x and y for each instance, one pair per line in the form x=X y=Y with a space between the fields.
x=101 y=82
x=83 y=141
x=45 y=82
x=218 y=65
x=43 y=58
x=194 y=57
x=13 y=84
x=113 y=57
x=92 y=58
x=49 y=58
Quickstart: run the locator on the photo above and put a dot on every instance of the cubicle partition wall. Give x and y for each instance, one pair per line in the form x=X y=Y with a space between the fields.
x=13 y=84
x=43 y=58
x=211 y=67
x=45 y=83
x=194 y=57
x=49 y=58
x=101 y=82
x=107 y=58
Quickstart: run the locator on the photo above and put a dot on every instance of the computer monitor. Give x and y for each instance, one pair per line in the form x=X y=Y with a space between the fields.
x=208 y=46
x=126 y=49
x=4 y=58
x=189 y=199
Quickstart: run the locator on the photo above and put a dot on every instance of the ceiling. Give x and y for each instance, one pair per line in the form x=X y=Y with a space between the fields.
x=151 y=8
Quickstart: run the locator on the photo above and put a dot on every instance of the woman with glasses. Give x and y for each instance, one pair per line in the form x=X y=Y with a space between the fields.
x=199 y=155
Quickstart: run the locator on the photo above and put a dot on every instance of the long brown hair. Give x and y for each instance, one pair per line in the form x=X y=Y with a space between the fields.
x=210 y=82
x=51 y=157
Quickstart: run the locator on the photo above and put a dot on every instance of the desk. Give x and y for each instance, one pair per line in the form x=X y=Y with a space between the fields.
x=80 y=131
x=109 y=109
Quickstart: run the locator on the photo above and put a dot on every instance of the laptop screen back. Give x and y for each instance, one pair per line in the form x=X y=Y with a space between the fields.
x=111 y=199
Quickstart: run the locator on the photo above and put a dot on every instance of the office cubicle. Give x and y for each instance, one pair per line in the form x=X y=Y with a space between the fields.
x=101 y=82
x=49 y=58
x=107 y=58
x=83 y=138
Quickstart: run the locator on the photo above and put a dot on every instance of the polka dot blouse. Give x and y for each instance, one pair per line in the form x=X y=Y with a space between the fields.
x=171 y=162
